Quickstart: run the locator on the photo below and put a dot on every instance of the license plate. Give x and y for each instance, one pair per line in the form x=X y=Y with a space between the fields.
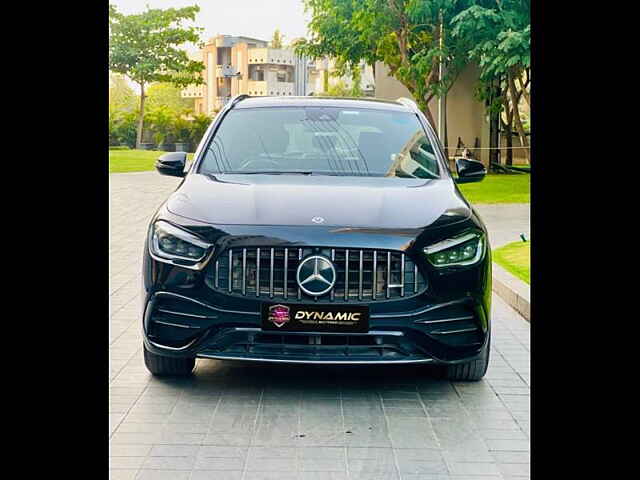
x=315 y=318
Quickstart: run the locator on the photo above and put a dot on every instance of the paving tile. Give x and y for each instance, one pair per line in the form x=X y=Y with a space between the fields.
x=473 y=468
x=162 y=475
x=125 y=463
x=308 y=423
x=169 y=463
x=216 y=475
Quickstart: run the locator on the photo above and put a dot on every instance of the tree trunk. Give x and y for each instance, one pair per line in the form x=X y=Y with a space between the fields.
x=523 y=88
x=516 y=116
x=141 y=117
x=509 y=132
x=427 y=113
x=507 y=127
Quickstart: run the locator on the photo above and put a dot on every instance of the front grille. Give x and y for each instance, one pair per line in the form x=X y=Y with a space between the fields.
x=362 y=274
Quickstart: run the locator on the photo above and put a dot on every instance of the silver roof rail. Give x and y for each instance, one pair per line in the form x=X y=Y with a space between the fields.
x=237 y=99
x=407 y=102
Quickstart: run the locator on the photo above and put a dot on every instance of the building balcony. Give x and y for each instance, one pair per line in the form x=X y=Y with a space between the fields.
x=270 y=89
x=192 y=91
x=273 y=56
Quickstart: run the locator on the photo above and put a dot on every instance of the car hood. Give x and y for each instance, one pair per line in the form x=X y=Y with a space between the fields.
x=300 y=200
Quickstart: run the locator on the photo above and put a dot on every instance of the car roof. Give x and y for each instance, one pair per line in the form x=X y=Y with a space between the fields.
x=313 y=101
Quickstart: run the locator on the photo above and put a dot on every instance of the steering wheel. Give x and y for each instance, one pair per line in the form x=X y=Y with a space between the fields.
x=269 y=163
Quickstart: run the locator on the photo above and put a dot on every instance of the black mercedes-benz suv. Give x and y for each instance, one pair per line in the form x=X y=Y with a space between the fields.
x=318 y=230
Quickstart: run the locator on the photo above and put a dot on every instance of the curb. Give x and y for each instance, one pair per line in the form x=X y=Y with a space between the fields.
x=512 y=290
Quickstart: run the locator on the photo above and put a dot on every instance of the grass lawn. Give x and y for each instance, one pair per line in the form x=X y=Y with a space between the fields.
x=122 y=161
x=493 y=189
x=516 y=258
x=497 y=188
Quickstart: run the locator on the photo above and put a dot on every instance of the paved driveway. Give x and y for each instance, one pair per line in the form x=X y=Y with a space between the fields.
x=257 y=422
x=505 y=222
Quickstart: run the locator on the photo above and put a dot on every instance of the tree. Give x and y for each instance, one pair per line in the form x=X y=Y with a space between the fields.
x=167 y=94
x=161 y=120
x=412 y=37
x=500 y=31
x=122 y=101
x=121 y=95
x=122 y=128
x=277 y=41
x=145 y=48
x=340 y=88
x=199 y=125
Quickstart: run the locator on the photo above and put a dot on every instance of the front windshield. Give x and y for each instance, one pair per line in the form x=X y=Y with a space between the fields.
x=321 y=141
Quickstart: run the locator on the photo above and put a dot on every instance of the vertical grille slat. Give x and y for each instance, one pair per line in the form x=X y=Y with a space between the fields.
x=374 y=285
x=230 y=270
x=402 y=276
x=271 y=275
x=361 y=274
x=388 y=274
x=257 y=272
x=346 y=275
x=244 y=271
x=285 y=285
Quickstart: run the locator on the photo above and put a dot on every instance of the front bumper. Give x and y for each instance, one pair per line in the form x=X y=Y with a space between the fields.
x=176 y=324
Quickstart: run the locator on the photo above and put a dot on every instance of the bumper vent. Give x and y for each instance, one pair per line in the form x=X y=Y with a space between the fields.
x=270 y=272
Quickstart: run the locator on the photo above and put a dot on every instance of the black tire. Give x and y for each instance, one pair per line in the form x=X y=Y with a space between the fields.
x=167 y=366
x=470 y=371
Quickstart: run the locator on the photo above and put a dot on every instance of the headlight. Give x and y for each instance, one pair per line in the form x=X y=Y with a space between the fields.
x=465 y=249
x=172 y=244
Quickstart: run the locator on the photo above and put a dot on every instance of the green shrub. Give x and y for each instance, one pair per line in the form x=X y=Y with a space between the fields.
x=199 y=125
x=162 y=126
x=160 y=121
x=181 y=129
x=122 y=128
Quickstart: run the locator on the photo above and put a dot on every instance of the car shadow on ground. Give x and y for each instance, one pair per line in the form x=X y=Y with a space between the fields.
x=237 y=376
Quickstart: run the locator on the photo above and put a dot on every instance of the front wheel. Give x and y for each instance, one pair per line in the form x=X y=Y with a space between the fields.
x=164 y=366
x=470 y=371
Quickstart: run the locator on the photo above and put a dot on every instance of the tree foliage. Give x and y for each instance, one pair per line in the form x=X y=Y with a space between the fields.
x=169 y=95
x=340 y=88
x=121 y=95
x=425 y=44
x=277 y=41
x=500 y=32
x=411 y=37
x=145 y=47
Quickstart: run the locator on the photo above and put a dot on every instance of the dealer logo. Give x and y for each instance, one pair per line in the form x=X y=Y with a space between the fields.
x=316 y=275
x=279 y=315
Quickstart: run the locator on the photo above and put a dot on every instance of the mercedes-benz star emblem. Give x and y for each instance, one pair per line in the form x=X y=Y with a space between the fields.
x=316 y=275
x=317 y=220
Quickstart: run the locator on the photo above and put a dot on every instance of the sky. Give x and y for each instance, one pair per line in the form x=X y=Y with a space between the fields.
x=251 y=18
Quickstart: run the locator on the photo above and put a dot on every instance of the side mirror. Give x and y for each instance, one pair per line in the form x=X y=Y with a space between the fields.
x=469 y=170
x=172 y=164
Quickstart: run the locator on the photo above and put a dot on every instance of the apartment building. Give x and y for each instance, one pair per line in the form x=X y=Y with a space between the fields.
x=323 y=71
x=235 y=65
